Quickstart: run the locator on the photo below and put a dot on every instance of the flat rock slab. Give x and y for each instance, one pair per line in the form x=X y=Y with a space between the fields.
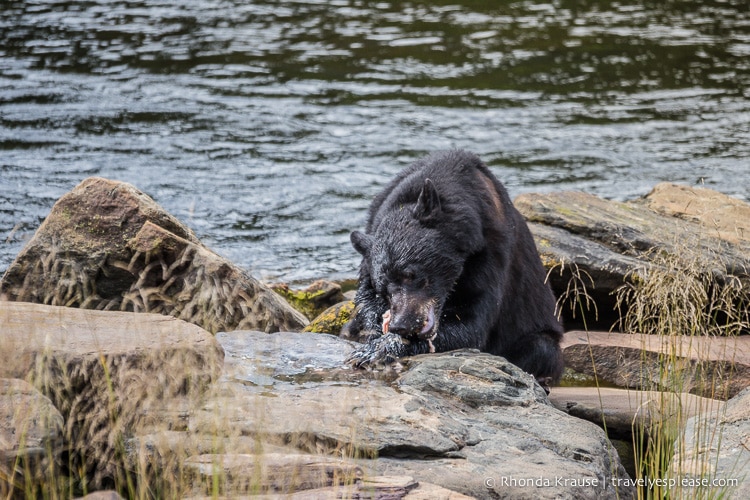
x=369 y=488
x=622 y=409
x=275 y=472
x=722 y=216
x=72 y=336
x=731 y=349
x=105 y=372
x=632 y=228
x=465 y=421
x=715 y=367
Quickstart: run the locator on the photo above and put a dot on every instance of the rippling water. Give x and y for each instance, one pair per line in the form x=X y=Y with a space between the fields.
x=268 y=126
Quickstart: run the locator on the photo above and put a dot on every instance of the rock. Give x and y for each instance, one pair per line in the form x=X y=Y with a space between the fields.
x=605 y=244
x=106 y=245
x=620 y=410
x=31 y=432
x=272 y=472
x=106 y=372
x=312 y=300
x=714 y=457
x=714 y=367
x=370 y=488
x=578 y=268
x=720 y=215
x=102 y=495
x=628 y=228
x=468 y=422
x=29 y=422
x=333 y=319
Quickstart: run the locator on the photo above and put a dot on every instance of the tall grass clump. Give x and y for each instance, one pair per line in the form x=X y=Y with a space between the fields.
x=149 y=424
x=110 y=406
x=682 y=300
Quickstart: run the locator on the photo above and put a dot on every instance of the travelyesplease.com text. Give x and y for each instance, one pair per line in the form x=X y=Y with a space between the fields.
x=594 y=482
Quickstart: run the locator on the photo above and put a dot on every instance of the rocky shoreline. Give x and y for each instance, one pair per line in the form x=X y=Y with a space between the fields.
x=135 y=358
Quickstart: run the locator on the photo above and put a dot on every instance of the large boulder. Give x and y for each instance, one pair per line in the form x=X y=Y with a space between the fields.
x=107 y=245
x=592 y=246
x=107 y=374
x=465 y=421
x=147 y=402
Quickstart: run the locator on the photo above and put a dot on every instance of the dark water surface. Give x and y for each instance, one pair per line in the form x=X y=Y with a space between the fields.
x=268 y=126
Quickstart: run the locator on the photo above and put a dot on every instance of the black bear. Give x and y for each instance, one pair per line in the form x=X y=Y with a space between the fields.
x=449 y=263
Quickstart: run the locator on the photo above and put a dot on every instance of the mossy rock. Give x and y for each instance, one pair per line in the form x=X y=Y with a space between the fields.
x=332 y=319
x=314 y=299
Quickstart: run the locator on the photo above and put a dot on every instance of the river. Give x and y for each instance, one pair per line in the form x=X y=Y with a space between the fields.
x=267 y=127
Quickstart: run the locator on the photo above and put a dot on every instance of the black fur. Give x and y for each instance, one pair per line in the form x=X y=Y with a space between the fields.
x=452 y=264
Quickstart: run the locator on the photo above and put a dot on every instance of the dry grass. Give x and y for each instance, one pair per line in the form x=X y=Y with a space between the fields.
x=680 y=297
x=105 y=400
x=676 y=297
x=126 y=419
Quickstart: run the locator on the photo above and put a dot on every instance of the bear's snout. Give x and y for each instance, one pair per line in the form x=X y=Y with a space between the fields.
x=414 y=320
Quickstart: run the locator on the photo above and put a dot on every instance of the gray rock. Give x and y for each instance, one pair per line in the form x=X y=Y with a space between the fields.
x=714 y=367
x=468 y=422
x=622 y=409
x=274 y=472
x=632 y=229
x=604 y=244
x=102 y=495
x=714 y=457
x=106 y=245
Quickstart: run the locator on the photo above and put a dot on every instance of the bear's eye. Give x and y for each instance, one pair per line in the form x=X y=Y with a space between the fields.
x=408 y=277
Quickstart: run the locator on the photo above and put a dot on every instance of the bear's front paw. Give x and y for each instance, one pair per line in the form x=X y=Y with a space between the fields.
x=380 y=351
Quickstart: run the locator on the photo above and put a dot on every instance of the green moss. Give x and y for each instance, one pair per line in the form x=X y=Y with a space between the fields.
x=332 y=319
x=302 y=300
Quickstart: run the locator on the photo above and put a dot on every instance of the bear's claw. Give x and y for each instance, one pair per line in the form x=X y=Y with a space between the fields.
x=380 y=351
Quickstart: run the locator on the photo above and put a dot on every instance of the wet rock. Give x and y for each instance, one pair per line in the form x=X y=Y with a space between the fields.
x=106 y=245
x=474 y=378
x=106 y=372
x=603 y=244
x=715 y=454
x=333 y=319
x=714 y=367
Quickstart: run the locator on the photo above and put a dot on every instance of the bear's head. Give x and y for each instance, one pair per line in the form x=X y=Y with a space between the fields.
x=414 y=258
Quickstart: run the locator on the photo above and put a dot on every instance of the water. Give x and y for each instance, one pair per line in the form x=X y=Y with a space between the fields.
x=267 y=127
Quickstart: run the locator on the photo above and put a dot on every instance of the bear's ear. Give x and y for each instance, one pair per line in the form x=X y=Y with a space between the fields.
x=428 y=203
x=361 y=242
